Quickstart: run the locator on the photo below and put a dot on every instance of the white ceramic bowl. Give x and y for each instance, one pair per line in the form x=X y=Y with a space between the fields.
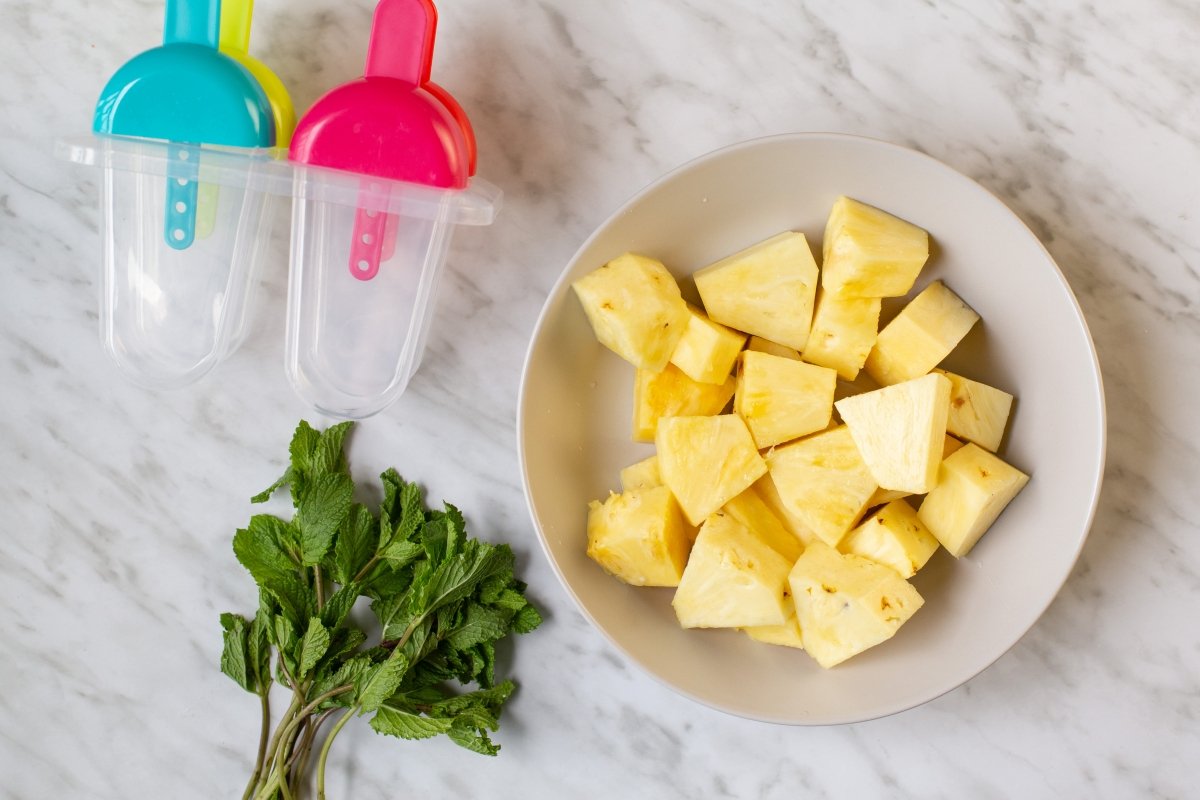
x=576 y=400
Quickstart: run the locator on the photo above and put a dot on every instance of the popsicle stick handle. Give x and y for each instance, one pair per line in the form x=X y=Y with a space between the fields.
x=179 y=228
x=193 y=22
x=235 y=25
x=402 y=40
x=370 y=227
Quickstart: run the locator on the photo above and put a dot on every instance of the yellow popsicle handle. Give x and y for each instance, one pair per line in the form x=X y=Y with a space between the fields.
x=235 y=25
x=236 y=16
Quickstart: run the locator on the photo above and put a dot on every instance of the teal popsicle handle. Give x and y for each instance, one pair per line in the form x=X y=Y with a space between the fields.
x=193 y=22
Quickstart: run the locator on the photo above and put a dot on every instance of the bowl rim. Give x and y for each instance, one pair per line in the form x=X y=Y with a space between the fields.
x=724 y=152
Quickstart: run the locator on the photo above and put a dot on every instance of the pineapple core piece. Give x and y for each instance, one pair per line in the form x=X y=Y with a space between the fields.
x=749 y=509
x=973 y=488
x=635 y=309
x=920 y=336
x=707 y=351
x=766 y=290
x=706 y=461
x=900 y=431
x=843 y=332
x=978 y=412
x=781 y=399
x=638 y=537
x=671 y=393
x=892 y=536
x=846 y=604
x=642 y=475
x=787 y=634
x=761 y=345
x=869 y=253
x=732 y=579
x=823 y=482
x=883 y=496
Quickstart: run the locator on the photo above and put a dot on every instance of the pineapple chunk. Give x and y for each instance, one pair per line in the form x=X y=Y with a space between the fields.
x=638 y=537
x=978 y=412
x=732 y=580
x=920 y=336
x=749 y=509
x=787 y=634
x=846 y=604
x=707 y=351
x=761 y=345
x=765 y=487
x=823 y=482
x=670 y=393
x=706 y=461
x=781 y=399
x=869 y=253
x=893 y=536
x=883 y=496
x=900 y=431
x=843 y=332
x=973 y=488
x=766 y=290
x=635 y=309
x=642 y=475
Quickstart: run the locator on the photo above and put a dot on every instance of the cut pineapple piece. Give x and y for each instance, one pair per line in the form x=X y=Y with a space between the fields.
x=787 y=634
x=732 y=580
x=761 y=345
x=635 y=309
x=846 y=604
x=670 y=393
x=893 y=536
x=900 y=431
x=920 y=336
x=749 y=509
x=766 y=290
x=765 y=487
x=974 y=486
x=781 y=399
x=823 y=482
x=843 y=333
x=706 y=461
x=883 y=496
x=639 y=537
x=642 y=475
x=708 y=350
x=978 y=412
x=869 y=253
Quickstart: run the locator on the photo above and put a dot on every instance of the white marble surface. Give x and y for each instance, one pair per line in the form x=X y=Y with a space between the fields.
x=118 y=505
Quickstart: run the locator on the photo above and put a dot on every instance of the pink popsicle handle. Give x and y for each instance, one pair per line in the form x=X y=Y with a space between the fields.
x=370 y=227
x=402 y=41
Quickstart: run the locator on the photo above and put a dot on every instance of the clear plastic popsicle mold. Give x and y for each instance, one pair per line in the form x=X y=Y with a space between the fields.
x=181 y=134
x=382 y=173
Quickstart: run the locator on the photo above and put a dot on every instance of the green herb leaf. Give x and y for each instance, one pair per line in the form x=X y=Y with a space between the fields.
x=262 y=548
x=321 y=511
x=327 y=457
x=356 y=542
x=483 y=624
x=377 y=685
x=458 y=576
x=470 y=731
x=312 y=646
x=258 y=649
x=339 y=605
x=265 y=494
x=401 y=553
x=234 y=658
x=407 y=725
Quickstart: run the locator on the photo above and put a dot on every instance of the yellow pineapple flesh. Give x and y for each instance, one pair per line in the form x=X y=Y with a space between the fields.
x=920 y=336
x=732 y=579
x=708 y=350
x=823 y=482
x=892 y=536
x=974 y=486
x=642 y=475
x=900 y=431
x=766 y=290
x=765 y=488
x=761 y=345
x=846 y=604
x=883 y=496
x=671 y=393
x=635 y=309
x=870 y=253
x=786 y=635
x=749 y=509
x=706 y=461
x=638 y=537
x=843 y=333
x=978 y=412
x=781 y=399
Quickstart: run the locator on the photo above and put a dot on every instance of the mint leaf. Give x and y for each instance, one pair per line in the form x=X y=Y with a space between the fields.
x=348 y=674
x=527 y=619
x=327 y=457
x=401 y=553
x=356 y=542
x=295 y=598
x=402 y=508
x=482 y=624
x=339 y=605
x=377 y=685
x=258 y=649
x=470 y=730
x=312 y=646
x=265 y=494
x=321 y=510
x=490 y=699
x=407 y=725
x=234 y=658
x=461 y=574
x=262 y=548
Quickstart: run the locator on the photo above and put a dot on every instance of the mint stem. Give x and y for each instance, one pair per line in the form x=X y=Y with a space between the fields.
x=341 y=723
x=264 y=732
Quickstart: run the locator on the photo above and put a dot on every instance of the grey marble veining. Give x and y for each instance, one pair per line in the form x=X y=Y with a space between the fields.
x=119 y=504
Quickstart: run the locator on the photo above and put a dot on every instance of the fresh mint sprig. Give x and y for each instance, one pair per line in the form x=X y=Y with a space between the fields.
x=442 y=600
